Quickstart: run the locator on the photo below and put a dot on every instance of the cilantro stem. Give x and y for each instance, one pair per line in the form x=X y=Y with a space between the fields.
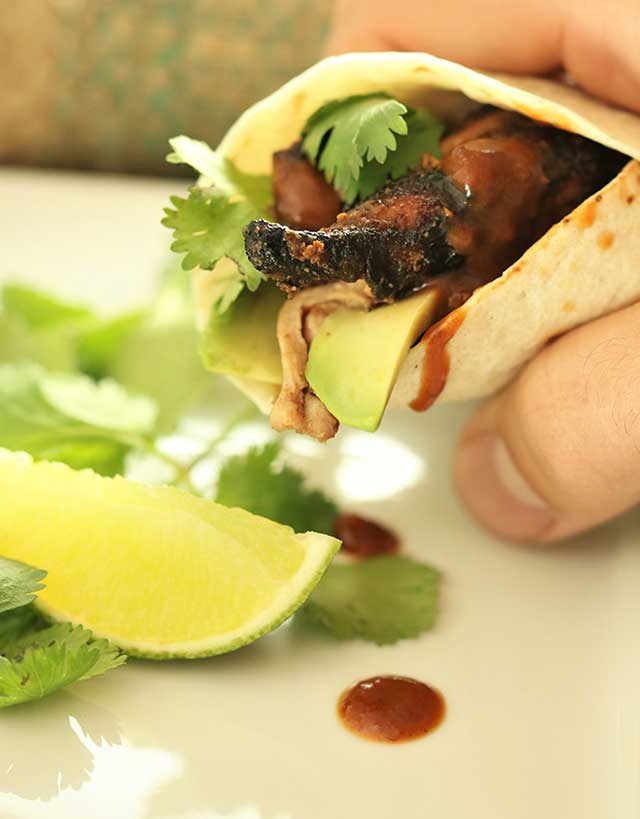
x=182 y=471
x=181 y=475
x=244 y=415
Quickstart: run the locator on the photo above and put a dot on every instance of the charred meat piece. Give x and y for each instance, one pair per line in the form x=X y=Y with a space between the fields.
x=303 y=197
x=502 y=182
x=394 y=242
x=523 y=179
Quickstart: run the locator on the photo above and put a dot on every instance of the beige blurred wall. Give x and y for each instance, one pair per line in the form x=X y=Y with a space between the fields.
x=104 y=83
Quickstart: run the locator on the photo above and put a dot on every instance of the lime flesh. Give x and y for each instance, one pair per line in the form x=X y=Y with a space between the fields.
x=157 y=571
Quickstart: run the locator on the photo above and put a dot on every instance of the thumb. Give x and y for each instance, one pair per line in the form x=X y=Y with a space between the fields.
x=559 y=450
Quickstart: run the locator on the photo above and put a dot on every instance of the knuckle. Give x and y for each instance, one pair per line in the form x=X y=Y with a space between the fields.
x=573 y=420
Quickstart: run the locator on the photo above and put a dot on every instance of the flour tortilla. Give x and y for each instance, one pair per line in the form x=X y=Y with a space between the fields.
x=583 y=267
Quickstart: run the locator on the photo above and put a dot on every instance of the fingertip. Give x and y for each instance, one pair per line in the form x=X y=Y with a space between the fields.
x=495 y=491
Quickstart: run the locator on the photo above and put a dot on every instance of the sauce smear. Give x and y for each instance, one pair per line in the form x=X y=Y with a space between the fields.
x=435 y=367
x=391 y=709
x=364 y=538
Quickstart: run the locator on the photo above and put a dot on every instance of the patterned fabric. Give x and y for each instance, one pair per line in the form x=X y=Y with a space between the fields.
x=104 y=83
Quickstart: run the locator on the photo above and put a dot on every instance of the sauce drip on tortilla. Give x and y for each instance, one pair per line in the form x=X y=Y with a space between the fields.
x=435 y=366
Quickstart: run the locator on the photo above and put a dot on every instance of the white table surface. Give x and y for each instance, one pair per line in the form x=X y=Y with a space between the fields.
x=536 y=650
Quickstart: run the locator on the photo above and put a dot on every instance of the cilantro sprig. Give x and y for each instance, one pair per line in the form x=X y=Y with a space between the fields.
x=67 y=417
x=361 y=141
x=255 y=482
x=44 y=661
x=36 y=659
x=221 y=173
x=381 y=599
x=207 y=225
x=19 y=584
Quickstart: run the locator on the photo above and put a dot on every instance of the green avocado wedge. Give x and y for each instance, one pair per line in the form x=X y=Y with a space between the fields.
x=242 y=341
x=355 y=357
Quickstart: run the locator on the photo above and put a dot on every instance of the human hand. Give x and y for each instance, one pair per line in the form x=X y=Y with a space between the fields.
x=558 y=451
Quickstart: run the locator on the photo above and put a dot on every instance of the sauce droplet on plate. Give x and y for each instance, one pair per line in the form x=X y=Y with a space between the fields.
x=364 y=538
x=391 y=709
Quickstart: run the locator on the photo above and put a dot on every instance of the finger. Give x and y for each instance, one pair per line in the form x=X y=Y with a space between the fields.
x=596 y=42
x=501 y=36
x=600 y=49
x=559 y=450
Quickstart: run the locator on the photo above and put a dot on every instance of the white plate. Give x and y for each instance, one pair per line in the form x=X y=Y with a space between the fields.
x=536 y=650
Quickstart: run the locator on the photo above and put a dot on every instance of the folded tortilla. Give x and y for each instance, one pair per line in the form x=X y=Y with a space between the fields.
x=585 y=266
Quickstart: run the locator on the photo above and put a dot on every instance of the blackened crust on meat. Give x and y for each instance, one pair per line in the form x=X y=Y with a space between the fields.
x=503 y=181
x=396 y=242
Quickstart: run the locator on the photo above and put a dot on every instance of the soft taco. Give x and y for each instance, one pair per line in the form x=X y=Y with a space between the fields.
x=395 y=229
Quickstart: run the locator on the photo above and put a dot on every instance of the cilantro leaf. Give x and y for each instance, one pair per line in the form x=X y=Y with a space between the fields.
x=221 y=172
x=161 y=360
x=422 y=137
x=35 y=326
x=72 y=637
x=159 y=356
x=99 y=344
x=360 y=141
x=56 y=658
x=104 y=405
x=41 y=671
x=109 y=657
x=39 y=309
x=18 y=584
x=152 y=351
x=103 y=455
x=253 y=482
x=208 y=225
x=70 y=418
x=17 y=622
x=381 y=599
x=340 y=135
x=51 y=346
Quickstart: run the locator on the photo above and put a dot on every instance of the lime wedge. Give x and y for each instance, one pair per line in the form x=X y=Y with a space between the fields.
x=157 y=571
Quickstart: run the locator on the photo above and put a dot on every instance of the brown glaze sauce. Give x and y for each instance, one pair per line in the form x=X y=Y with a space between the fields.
x=391 y=709
x=435 y=366
x=364 y=538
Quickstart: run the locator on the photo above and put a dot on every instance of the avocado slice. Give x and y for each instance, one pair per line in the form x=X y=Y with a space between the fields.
x=355 y=357
x=242 y=341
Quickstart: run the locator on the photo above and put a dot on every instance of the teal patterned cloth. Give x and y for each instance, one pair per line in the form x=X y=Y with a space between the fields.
x=104 y=83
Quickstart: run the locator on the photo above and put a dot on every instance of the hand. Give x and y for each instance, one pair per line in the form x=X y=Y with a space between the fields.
x=558 y=451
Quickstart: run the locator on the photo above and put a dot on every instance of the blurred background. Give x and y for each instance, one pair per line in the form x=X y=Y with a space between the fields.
x=103 y=84
x=91 y=91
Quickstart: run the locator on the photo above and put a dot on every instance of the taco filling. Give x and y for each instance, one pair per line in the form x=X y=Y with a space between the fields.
x=331 y=284
x=453 y=223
